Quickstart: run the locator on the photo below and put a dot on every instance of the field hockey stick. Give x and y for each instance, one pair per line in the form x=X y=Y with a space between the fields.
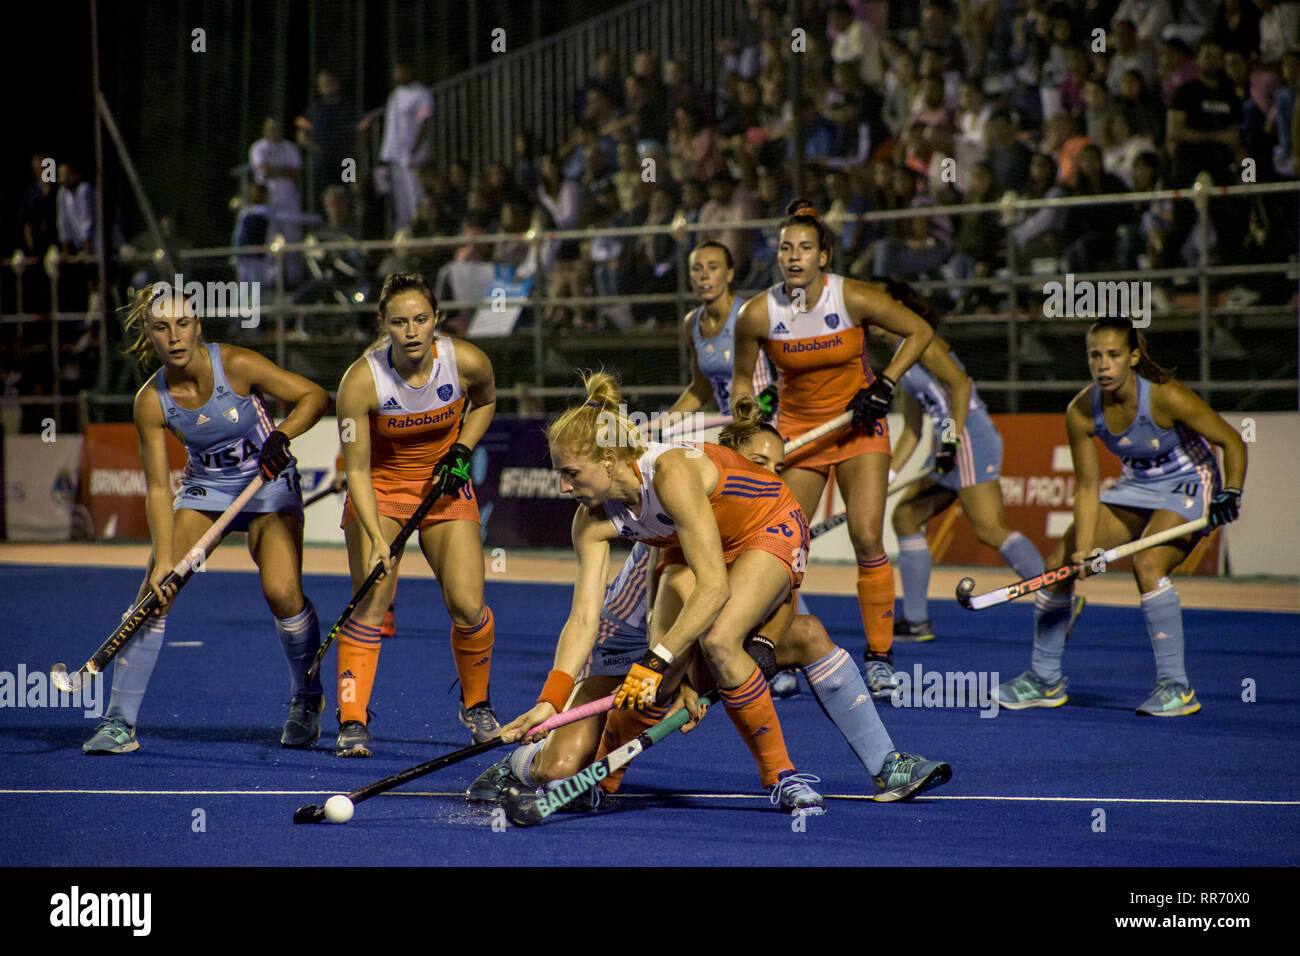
x=395 y=549
x=325 y=493
x=837 y=519
x=694 y=422
x=181 y=572
x=1068 y=572
x=314 y=814
x=838 y=421
x=527 y=808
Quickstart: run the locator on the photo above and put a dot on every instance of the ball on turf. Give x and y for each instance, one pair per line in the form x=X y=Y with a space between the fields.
x=966 y=586
x=338 y=809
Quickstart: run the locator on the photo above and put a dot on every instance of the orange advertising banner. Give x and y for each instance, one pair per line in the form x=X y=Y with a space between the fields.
x=1038 y=494
x=112 y=485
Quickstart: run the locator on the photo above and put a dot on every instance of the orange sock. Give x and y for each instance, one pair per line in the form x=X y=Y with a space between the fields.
x=750 y=708
x=876 y=598
x=620 y=727
x=358 y=659
x=472 y=649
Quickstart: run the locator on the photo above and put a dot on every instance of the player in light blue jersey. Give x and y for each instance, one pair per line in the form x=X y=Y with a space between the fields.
x=1161 y=432
x=966 y=459
x=207 y=395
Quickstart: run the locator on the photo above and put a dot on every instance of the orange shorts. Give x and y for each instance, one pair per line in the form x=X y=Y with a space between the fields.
x=787 y=541
x=399 y=500
x=839 y=446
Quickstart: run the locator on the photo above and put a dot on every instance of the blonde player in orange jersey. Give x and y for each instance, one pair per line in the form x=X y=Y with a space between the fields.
x=733 y=546
x=410 y=415
x=812 y=326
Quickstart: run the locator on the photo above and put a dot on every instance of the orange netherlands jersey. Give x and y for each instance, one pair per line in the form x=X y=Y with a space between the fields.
x=746 y=500
x=819 y=354
x=410 y=432
x=413 y=428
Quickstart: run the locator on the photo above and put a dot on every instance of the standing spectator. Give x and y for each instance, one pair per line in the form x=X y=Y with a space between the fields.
x=1176 y=66
x=327 y=132
x=1149 y=19
x=1237 y=27
x=975 y=249
x=1283 y=115
x=277 y=165
x=693 y=146
x=926 y=242
x=937 y=29
x=561 y=198
x=38 y=210
x=1203 y=134
x=75 y=218
x=1279 y=28
x=1147 y=234
x=406 y=146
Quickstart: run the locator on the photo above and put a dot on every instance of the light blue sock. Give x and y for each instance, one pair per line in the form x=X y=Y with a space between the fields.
x=837 y=684
x=521 y=762
x=914 y=569
x=1164 y=616
x=1051 y=617
x=132 y=669
x=1021 y=555
x=300 y=637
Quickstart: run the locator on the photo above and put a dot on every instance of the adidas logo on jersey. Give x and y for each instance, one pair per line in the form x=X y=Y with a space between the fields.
x=202 y=419
x=391 y=404
x=780 y=329
x=1124 y=441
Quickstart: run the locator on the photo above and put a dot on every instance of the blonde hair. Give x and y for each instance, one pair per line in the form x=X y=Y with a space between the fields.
x=135 y=323
x=745 y=427
x=586 y=429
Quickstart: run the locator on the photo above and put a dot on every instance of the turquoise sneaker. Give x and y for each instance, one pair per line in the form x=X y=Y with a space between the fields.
x=1029 y=690
x=903 y=776
x=1170 y=700
x=113 y=736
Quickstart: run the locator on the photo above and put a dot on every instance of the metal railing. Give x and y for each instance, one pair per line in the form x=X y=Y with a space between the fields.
x=1021 y=318
x=477 y=114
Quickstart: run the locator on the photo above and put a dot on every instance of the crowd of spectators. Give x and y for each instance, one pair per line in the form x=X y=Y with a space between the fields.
x=901 y=105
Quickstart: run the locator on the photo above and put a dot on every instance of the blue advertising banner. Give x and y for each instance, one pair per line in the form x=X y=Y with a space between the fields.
x=520 y=503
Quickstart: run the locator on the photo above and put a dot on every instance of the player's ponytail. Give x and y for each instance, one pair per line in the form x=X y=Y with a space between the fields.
x=598 y=423
x=1146 y=366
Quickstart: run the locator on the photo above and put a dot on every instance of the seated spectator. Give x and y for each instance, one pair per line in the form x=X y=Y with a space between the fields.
x=604 y=78
x=1006 y=155
x=855 y=44
x=933 y=112
x=1042 y=233
x=901 y=84
x=1236 y=27
x=977 y=242
x=645 y=118
x=728 y=202
x=1077 y=73
x=1093 y=228
x=654 y=255
x=1062 y=141
x=1128 y=55
x=1149 y=19
x=514 y=217
x=1097 y=109
x=926 y=242
x=693 y=146
x=1280 y=120
x=605 y=253
x=845 y=204
x=251 y=225
x=1176 y=66
x=1145 y=111
x=1279 y=29
x=1123 y=146
x=937 y=29
x=1154 y=217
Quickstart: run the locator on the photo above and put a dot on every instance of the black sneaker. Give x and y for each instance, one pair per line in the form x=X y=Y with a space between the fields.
x=589 y=801
x=907 y=631
x=481 y=721
x=354 y=740
x=302 y=729
x=492 y=783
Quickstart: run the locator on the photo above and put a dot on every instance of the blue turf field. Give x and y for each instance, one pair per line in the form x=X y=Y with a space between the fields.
x=1025 y=785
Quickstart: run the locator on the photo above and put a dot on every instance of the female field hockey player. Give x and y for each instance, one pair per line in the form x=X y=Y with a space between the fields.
x=207 y=395
x=405 y=430
x=1161 y=432
x=835 y=680
x=812 y=326
x=709 y=332
x=720 y=520
x=966 y=459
